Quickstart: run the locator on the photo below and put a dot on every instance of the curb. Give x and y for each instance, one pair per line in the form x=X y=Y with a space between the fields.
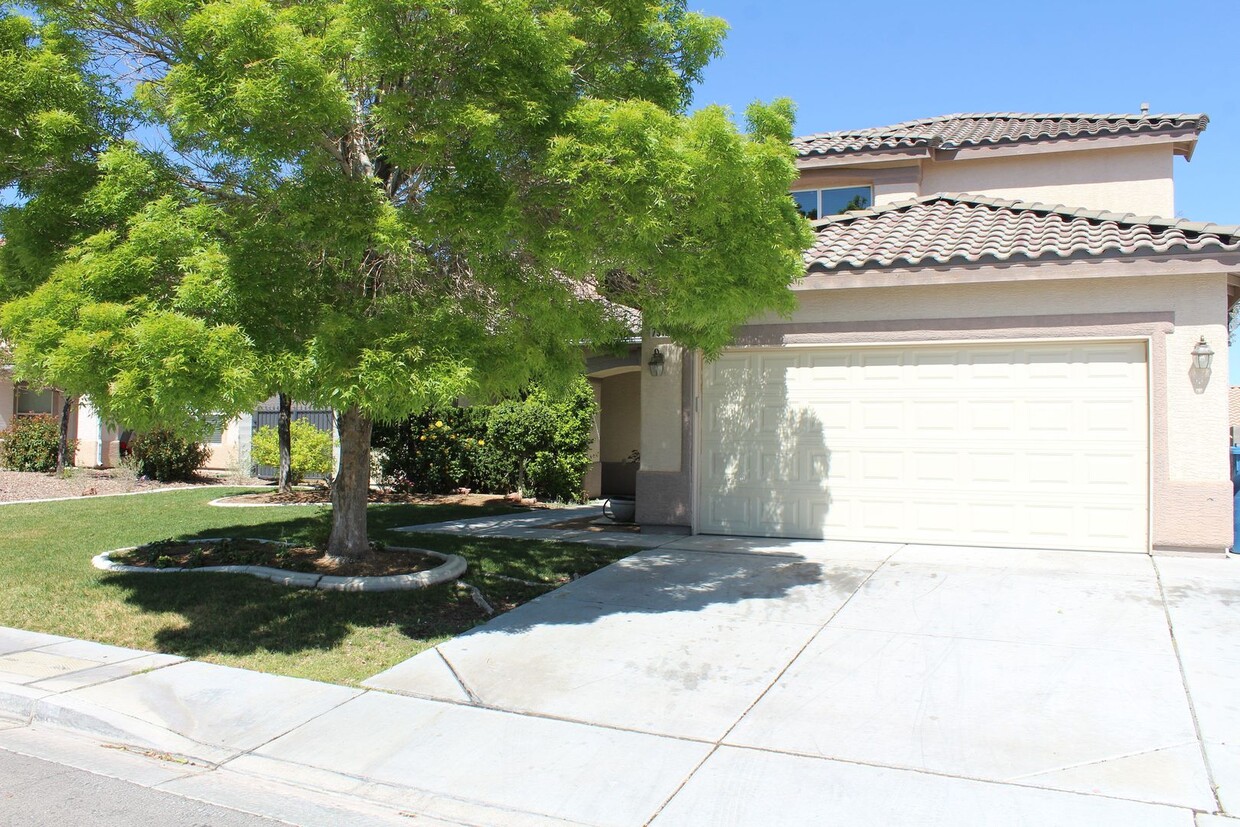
x=219 y=502
x=453 y=567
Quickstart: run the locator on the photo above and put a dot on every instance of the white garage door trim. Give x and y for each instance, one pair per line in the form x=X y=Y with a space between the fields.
x=1096 y=525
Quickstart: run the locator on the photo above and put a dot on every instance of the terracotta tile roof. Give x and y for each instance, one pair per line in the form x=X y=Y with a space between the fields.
x=965 y=130
x=958 y=229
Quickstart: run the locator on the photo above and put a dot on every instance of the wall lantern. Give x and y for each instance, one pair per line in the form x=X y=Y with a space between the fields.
x=1203 y=354
x=656 y=363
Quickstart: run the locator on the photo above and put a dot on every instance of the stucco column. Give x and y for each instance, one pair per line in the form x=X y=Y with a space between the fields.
x=594 y=476
x=665 y=478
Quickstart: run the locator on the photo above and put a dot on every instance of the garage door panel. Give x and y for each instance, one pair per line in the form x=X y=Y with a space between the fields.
x=1036 y=445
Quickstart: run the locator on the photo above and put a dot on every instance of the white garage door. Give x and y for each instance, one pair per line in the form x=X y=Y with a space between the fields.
x=1024 y=445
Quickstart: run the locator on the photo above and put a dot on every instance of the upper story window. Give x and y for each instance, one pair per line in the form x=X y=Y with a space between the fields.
x=833 y=201
x=32 y=402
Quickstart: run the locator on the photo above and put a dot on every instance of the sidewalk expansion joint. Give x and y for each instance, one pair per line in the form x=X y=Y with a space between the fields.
x=473 y=696
x=1188 y=692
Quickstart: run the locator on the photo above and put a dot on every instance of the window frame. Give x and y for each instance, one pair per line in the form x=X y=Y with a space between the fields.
x=22 y=388
x=818 y=191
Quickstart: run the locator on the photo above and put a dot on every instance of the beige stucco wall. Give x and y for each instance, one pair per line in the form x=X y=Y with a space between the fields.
x=665 y=477
x=620 y=422
x=593 y=482
x=89 y=431
x=661 y=409
x=1191 y=500
x=225 y=455
x=1132 y=179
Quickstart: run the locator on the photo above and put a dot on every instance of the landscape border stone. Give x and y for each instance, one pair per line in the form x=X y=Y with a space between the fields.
x=222 y=502
x=453 y=566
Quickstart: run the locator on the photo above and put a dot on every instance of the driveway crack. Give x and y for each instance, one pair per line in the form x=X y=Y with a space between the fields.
x=473 y=696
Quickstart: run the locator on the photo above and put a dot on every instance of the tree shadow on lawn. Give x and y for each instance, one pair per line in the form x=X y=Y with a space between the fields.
x=236 y=614
x=232 y=614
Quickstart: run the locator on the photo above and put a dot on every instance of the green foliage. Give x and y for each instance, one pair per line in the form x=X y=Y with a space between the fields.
x=434 y=452
x=55 y=118
x=382 y=206
x=310 y=449
x=167 y=457
x=539 y=444
x=31 y=443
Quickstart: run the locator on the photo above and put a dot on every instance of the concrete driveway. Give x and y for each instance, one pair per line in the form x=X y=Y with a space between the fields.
x=884 y=683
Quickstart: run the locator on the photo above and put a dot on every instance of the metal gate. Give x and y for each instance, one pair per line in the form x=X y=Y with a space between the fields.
x=324 y=420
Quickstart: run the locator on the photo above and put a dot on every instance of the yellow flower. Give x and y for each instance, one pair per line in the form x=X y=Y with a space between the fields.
x=479 y=442
x=439 y=423
x=423 y=438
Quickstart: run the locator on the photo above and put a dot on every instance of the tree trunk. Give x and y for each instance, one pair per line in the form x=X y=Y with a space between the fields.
x=284 y=429
x=62 y=452
x=351 y=488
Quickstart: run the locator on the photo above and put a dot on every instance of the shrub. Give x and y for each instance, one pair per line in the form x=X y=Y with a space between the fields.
x=310 y=450
x=167 y=457
x=539 y=444
x=30 y=443
x=434 y=452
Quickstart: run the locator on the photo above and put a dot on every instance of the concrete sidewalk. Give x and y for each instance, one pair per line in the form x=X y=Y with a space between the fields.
x=712 y=681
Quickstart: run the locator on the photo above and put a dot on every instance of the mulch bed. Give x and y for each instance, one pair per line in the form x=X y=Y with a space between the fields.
x=322 y=496
x=169 y=554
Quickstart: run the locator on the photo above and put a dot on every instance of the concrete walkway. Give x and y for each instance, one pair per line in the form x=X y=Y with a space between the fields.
x=714 y=681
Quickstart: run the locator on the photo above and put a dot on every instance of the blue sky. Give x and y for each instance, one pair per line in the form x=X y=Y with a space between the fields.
x=856 y=64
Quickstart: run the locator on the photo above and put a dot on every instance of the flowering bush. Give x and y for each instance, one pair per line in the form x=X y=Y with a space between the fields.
x=435 y=452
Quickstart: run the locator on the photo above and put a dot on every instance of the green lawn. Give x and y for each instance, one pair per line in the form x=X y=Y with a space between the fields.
x=48 y=585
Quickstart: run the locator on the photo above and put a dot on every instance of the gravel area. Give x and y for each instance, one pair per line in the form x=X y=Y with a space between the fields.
x=84 y=482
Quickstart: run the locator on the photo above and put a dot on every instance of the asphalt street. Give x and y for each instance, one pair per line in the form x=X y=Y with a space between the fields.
x=34 y=793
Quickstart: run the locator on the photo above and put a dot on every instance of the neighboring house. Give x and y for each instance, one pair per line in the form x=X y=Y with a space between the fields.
x=99 y=443
x=977 y=369
x=17 y=400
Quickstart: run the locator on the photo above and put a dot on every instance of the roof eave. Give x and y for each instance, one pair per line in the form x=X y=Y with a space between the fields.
x=1183 y=141
x=862 y=156
x=991 y=269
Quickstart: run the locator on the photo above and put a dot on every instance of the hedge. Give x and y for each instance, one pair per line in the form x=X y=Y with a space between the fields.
x=539 y=444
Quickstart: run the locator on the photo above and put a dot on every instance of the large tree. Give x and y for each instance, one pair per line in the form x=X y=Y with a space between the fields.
x=381 y=205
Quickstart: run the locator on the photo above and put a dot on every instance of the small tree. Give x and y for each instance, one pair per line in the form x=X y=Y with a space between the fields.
x=396 y=204
x=309 y=450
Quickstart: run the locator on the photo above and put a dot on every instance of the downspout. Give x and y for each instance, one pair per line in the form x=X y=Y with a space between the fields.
x=99 y=444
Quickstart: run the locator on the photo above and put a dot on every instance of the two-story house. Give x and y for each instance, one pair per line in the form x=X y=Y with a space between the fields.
x=996 y=344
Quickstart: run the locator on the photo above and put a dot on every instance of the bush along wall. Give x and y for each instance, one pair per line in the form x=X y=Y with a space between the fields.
x=539 y=444
x=30 y=443
x=167 y=457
